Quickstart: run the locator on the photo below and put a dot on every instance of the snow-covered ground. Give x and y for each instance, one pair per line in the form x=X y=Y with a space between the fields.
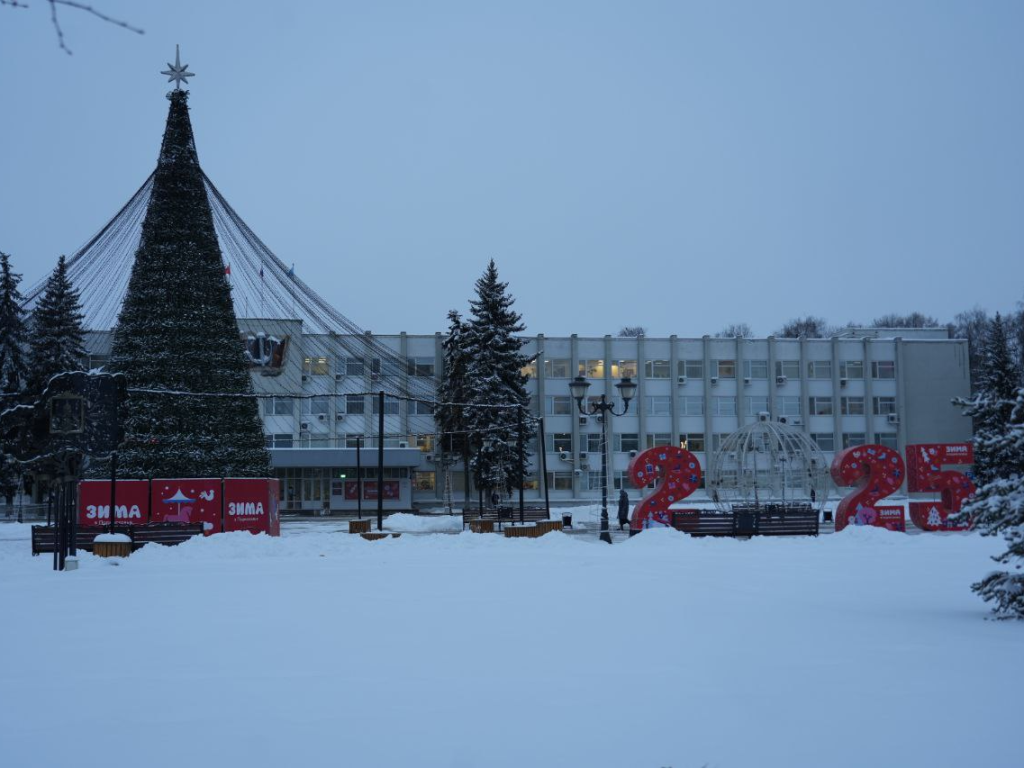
x=863 y=648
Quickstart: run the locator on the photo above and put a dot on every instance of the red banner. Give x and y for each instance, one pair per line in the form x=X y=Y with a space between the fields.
x=132 y=502
x=187 y=500
x=251 y=505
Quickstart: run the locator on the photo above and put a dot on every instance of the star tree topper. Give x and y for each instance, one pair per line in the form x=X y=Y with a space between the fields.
x=176 y=72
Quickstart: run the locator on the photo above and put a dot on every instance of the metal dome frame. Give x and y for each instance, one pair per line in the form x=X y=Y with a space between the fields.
x=768 y=463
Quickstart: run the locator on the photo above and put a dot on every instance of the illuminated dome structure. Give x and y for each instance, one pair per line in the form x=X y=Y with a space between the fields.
x=768 y=463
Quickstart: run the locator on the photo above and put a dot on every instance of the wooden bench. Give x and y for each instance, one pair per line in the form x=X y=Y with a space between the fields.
x=44 y=536
x=504 y=515
x=766 y=521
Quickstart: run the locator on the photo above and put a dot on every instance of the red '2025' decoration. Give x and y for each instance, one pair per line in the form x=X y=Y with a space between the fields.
x=678 y=473
x=875 y=472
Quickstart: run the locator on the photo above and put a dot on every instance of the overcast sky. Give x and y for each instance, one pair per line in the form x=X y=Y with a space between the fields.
x=676 y=165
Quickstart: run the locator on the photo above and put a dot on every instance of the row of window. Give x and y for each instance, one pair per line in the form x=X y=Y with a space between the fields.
x=693 y=405
x=624 y=442
x=722 y=369
x=359 y=366
x=354 y=404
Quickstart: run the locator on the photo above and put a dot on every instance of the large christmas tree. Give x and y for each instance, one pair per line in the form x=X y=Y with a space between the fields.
x=177 y=332
x=496 y=392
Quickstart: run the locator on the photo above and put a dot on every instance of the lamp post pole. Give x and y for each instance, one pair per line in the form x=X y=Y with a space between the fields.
x=604 y=410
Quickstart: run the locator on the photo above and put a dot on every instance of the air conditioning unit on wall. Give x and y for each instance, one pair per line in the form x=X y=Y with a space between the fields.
x=780 y=380
x=893 y=418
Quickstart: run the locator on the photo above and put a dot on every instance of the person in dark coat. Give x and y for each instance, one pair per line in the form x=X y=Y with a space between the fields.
x=623 y=510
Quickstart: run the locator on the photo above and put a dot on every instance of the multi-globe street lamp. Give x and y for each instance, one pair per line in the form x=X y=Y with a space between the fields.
x=627 y=389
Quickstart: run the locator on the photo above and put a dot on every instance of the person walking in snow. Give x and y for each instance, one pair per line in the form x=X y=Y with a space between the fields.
x=623 y=509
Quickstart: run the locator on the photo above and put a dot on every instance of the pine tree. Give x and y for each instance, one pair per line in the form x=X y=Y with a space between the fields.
x=496 y=383
x=13 y=336
x=998 y=506
x=993 y=401
x=453 y=391
x=57 y=337
x=177 y=331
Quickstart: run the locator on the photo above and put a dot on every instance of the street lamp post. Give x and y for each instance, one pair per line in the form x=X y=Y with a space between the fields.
x=627 y=389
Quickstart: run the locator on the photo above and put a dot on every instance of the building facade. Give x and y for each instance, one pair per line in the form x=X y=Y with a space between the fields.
x=887 y=386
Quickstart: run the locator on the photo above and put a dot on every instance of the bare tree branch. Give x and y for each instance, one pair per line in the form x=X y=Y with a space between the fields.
x=78 y=7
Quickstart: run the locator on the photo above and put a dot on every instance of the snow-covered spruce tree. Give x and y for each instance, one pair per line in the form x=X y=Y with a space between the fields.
x=57 y=339
x=177 y=331
x=452 y=392
x=998 y=506
x=13 y=335
x=495 y=379
x=995 y=392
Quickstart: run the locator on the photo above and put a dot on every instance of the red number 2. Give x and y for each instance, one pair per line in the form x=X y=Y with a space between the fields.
x=678 y=473
x=875 y=472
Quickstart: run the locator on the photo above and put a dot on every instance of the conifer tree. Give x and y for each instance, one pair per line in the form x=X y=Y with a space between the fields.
x=998 y=508
x=497 y=387
x=13 y=336
x=452 y=393
x=993 y=401
x=57 y=337
x=177 y=331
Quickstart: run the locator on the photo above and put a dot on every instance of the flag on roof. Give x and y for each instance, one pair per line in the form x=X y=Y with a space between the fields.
x=227 y=269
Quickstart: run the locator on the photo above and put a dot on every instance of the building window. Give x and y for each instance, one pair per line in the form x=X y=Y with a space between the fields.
x=593 y=481
x=657 y=405
x=691 y=369
x=530 y=369
x=558 y=405
x=757 y=404
x=315 y=366
x=819 y=406
x=281 y=406
x=421 y=366
x=355 y=404
x=625 y=442
x=826 y=441
x=851 y=369
x=392 y=406
x=851 y=439
x=353 y=440
x=591 y=369
x=723 y=406
x=657 y=369
x=717 y=439
x=692 y=441
x=788 y=368
x=883 y=405
x=424 y=442
x=622 y=369
x=353 y=366
x=658 y=439
x=591 y=442
x=560 y=481
x=888 y=439
x=281 y=440
x=316 y=406
x=556 y=369
x=691 y=405
x=755 y=369
x=556 y=442
x=852 y=406
x=420 y=408
x=788 y=405
x=819 y=369
x=723 y=369
x=423 y=481
x=883 y=369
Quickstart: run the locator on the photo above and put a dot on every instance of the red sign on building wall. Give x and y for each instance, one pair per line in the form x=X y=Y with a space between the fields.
x=392 y=490
x=251 y=505
x=187 y=500
x=132 y=502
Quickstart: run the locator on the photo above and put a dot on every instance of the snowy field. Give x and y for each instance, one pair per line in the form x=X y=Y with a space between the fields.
x=864 y=648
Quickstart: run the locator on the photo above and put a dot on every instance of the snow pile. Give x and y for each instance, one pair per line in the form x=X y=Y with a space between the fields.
x=407 y=523
x=322 y=648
